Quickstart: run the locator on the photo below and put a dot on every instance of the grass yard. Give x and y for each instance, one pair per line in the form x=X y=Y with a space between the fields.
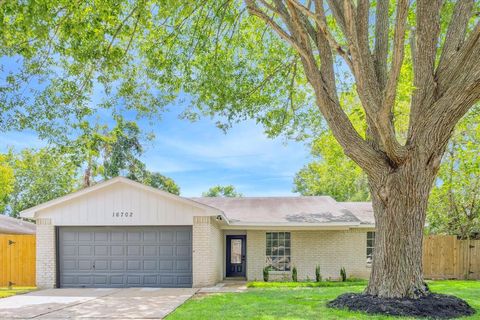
x=301 y=301
x=5 y=292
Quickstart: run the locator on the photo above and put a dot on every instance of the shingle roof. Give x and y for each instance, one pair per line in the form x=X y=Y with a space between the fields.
x=11 y=225
x=315 y=209
x=362 y=210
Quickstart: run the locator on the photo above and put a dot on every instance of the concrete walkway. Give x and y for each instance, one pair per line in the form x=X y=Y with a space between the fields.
x=226 y=286
x=132 y=303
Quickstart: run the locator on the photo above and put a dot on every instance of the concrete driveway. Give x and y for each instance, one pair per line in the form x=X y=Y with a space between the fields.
x=132 y=303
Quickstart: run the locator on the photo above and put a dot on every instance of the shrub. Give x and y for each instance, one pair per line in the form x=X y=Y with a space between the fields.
x=294 y=274
x=343 y=274
x=318 y=276
x=265 y=273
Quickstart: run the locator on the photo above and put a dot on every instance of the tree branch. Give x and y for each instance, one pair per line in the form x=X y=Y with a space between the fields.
x=323 y=82
x=398 y=54
x=321 y=22
x=253 y=9
x=428 y=28
x=457 y=30
x=381 y=42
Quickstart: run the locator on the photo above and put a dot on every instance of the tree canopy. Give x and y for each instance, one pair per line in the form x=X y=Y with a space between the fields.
x=228 y=191
x=39 y=176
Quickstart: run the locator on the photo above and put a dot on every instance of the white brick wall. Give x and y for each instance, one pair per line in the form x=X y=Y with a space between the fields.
x=329 y=249
x=207 y=252
x=46 y=258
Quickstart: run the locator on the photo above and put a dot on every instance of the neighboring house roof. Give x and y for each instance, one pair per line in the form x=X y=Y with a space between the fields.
x=314 y=210
x=11 y=225
x=30 y=212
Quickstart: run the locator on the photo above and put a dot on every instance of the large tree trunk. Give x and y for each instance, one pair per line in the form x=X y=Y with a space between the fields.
x=399 y=202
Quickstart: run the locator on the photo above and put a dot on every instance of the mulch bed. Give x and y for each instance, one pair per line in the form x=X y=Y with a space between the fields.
x=436 y=306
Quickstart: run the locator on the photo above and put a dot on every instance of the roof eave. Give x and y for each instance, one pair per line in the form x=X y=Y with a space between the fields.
x=286 y=225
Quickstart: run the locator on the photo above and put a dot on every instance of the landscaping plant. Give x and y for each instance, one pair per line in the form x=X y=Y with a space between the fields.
x=318 y=275
x=294 y=274
x=343 y=274
x=265 y=273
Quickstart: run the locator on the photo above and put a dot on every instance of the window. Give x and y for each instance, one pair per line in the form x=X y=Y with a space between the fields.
x=278 y=251
x=236 y=251
x=370 y=245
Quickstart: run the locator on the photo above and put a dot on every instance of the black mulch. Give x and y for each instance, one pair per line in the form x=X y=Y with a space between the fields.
x=436 y=306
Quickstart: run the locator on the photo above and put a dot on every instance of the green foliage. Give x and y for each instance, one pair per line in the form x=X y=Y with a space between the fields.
x=343 y=274
x=294 y=274
x=318 y=275
x=40 y=176
x=308 y=284
x=454 y=205
x=121 y=148
x=142 y=55
x=276 y=302
x=332 y=173
x=7 y=181
x=154 y=179
x=228 y=191
x=266 y=270
x=107 y=153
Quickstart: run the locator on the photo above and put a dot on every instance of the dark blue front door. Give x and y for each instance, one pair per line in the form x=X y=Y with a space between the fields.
x=236 y=256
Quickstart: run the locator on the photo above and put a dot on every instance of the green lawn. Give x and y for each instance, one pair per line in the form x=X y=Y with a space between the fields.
x=300 y=302
x=5 y=292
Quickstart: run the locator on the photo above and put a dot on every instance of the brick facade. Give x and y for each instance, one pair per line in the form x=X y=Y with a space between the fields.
x=46 y=257
x=329 y=249
x=207 y=252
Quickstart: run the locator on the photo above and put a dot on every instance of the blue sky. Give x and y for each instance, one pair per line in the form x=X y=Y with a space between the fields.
x=198 y=155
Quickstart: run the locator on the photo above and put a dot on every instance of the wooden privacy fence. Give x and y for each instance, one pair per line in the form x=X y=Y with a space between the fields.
x=17 y=260
x=446 y=257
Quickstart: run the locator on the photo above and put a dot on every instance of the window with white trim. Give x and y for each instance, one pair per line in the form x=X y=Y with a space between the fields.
x=278 y=251
x=370 y=245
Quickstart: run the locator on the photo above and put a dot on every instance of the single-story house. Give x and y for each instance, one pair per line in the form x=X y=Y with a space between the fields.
x=10 y=225
x=120 y=233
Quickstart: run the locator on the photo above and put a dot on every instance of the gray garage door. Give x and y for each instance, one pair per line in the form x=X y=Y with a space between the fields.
x=125 y=256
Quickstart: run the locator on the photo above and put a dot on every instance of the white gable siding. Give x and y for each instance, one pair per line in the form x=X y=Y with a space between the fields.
x=97 y=208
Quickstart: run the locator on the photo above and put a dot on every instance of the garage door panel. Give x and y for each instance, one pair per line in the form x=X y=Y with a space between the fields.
x=133 y=250
x=134 y=236
x=183 y=237
x=167 y=236
x=70 y=250
x=150 y=265
x=185 y=280
x=85 y=236
x=117 y=250
x=125 y=256
x=166 y=251
x=150 y=251
x=85 y=250
x=101 y=250
x=184 y=265
x=117 y=236
x=101 y=236
x=117 y=265
x=183 y=251
x=149 y=236
x=85 y=265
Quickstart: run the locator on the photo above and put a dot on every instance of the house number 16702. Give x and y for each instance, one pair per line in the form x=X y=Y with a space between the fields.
x=121 y=214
